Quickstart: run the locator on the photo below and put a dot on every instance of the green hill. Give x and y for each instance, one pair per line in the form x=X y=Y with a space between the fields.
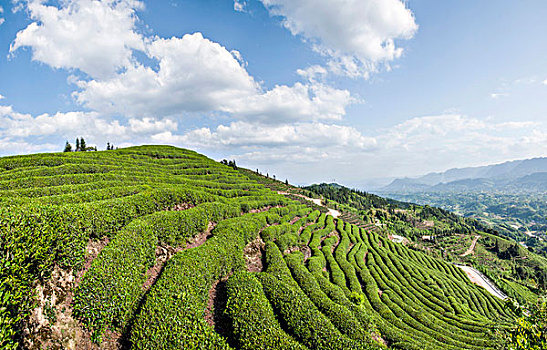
x=156 y=247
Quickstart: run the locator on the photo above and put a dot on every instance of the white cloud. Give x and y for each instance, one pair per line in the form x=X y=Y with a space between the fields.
x=2 y=97
x=198 y=75
x=194 y=74
x=151 y=126
x=357 y=35
x=249 y=135
x=24 y=129
x=96 y=37
x=2 y=20
x=544 y=82
x=498 y=95
x=240 y=5
x=187 y=74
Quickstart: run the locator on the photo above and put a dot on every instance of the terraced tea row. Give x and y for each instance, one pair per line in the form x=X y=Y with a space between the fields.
x=180 y=225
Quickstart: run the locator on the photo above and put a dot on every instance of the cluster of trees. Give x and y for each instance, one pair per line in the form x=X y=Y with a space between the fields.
x=80 y=146
x=230 y=163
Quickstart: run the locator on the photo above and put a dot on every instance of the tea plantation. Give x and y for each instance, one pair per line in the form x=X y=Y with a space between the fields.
x=193 y=254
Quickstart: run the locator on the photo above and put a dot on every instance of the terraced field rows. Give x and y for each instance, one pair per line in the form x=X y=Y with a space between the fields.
x=178 y=226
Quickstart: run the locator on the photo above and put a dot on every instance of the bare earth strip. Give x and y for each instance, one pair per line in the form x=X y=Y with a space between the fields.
x=472 y=247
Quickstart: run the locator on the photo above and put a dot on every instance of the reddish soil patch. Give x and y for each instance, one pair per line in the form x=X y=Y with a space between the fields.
x=214 y=313
x=253 y=255
x=163 y=254
x=301 y=228
x=377 y=338
x=307 y=252
x=198 y=240
x=295 y=219
x=332 y=234
x=254 y=211
x=380 y=292
x=182 y=206
x=351 y=245
x=51 y=325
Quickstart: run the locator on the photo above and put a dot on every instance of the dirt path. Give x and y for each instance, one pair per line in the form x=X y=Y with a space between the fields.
x=472 y=247
x=481 y=280
x=335 y=213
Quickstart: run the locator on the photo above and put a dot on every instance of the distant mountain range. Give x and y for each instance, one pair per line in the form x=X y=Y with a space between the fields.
x=514 y=176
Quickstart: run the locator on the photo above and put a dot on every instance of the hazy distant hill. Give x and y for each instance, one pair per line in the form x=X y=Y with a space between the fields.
x=527 y=175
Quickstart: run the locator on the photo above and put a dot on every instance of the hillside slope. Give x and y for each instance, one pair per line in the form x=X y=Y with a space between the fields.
x=521 y=273
x=156 y=247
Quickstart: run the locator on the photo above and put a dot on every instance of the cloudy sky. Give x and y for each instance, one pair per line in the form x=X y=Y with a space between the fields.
x=309 y=90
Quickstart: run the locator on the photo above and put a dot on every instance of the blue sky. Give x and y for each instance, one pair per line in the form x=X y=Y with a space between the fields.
x=309 y=90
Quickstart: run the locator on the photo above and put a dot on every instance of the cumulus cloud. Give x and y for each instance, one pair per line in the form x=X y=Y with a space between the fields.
x=248 y=135
x=25 y=129
x=357 y=35
x=96 y=37
x=187 y=74
x=240 y=5
x=197 y=75
x=544 y=82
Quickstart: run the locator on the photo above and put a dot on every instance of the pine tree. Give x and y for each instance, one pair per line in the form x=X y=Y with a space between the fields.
x=78 y=149
x=108 y=146
x=68 y=147
x=83 y=146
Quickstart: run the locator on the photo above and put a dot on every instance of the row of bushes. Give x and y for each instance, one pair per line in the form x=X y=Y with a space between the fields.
x=35 y=237
x=172 y=315
x=253 y=322
x=110 y=291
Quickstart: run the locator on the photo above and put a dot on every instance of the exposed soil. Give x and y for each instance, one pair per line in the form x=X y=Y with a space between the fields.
x=51 y=325
x=351 y=245
x=332 y=234
x=376 y=337
x=253 y=255
x=307 y=252
x=471 y=249
x=301 y=228
x=182 y=206
x=214 y=313
x=198 y=240
x=254 y=211
x=295 y=219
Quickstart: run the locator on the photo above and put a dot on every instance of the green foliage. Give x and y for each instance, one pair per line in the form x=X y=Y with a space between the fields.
x=530 y=330
x=254 y=324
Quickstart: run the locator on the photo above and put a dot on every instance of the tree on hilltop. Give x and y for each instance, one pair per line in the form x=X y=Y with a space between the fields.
x=83 y=146
x=68 y=147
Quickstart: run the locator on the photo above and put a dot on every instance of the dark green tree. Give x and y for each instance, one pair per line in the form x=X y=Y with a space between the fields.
x=78 y=149
x=68 y=147
x=83 y=146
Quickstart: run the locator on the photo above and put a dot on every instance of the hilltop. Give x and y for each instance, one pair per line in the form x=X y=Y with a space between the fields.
x=157 y=247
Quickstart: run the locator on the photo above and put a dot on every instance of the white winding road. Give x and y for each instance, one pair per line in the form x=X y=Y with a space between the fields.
x=481 y=280
x=335 y=213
